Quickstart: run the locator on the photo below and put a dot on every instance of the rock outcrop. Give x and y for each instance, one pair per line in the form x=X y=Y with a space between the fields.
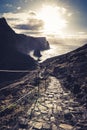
x=25 y=44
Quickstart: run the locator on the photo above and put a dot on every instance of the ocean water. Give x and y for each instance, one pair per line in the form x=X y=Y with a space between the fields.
x=60 y=46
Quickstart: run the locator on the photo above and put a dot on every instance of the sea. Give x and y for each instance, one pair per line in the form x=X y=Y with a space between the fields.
x=61 y=46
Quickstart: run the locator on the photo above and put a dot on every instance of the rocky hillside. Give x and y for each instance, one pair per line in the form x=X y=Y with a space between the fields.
x=52 y=97
x=71 y=70
x=14 y=48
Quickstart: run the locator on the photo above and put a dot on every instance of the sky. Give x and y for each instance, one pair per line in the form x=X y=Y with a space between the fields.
x=52 y=18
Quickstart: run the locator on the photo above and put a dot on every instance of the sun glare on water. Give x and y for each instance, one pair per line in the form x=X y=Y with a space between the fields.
x=53 y=19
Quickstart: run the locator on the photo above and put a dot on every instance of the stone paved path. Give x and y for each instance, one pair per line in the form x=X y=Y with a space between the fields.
x=56 y=109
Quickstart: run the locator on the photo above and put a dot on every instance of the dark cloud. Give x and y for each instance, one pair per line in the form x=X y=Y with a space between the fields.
x=33 y=24
x=33 y=32
x=32 y=13
x=12 y=19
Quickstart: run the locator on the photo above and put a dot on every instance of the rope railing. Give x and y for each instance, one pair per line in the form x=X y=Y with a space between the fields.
x=18 y=100
x=4 y=88
x=15 y=71
x=7 y=87
x=37 y=102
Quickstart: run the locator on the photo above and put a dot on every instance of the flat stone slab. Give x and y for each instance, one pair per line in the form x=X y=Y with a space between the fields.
x=38 y=125
x=66 y=126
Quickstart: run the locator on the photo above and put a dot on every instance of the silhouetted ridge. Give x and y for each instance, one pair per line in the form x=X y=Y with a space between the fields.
x=3 y=22
x=10 y=57
x=4 y=27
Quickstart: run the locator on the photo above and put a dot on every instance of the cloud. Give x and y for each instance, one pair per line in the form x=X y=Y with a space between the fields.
x=70 y=14
x=14 y=15
x=33 y=32
x=30 y=21
x=12 y=19
x=82 y=32
x=32 y=13
x=62 y=10
x=24 y=22
x=9 y=5
x=25 y=1
x=33 y=24
x=18 y=8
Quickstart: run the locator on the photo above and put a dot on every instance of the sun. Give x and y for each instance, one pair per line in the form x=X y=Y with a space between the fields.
x=54 y=22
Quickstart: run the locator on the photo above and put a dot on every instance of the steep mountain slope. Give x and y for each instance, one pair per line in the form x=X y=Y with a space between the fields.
x=10 y=58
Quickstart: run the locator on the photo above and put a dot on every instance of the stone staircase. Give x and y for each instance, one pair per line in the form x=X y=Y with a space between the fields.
x=56 y=109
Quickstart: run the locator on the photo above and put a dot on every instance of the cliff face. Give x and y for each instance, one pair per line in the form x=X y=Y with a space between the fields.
x=10 y=58
x=25 y=43
x=14 y=48
x=70 y=69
